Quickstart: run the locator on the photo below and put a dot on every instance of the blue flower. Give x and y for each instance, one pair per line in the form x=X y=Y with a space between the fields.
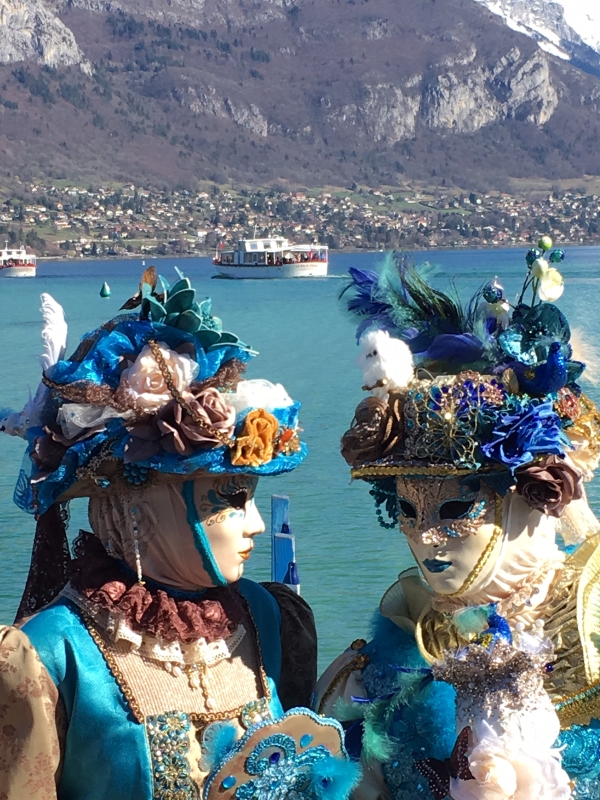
x=524 y=432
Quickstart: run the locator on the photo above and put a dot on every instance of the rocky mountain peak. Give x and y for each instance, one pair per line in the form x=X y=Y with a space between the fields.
x=306 y=91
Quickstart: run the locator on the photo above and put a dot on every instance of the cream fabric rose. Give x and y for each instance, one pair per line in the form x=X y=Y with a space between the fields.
x=551 y=286
x=145 y=383
x=513 y=767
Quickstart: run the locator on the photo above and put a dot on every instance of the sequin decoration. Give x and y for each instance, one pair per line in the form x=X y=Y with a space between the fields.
x=168 y=737
x=280 y=772
x=581 y=753
x=492 y=681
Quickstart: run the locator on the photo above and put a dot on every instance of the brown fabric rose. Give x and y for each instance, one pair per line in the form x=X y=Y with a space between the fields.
x=254 y=446
x=174 y=431
x=376 y=430
x=549 y=485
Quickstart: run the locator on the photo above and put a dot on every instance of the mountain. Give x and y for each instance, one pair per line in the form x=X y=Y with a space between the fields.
x=569 y=29
x=309 y=92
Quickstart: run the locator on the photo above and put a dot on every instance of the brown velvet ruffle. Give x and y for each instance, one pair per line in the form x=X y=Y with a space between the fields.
x=147 y=609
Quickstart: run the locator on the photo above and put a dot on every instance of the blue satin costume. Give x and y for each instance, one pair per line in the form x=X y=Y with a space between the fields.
x=106 y=752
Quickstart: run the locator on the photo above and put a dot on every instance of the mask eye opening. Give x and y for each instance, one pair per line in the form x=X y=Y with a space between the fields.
x=455 y=509
x=406 y=509
x=236 y=500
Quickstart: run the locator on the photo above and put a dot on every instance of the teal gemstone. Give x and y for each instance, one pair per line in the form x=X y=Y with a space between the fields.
x=229 y=782
x=103 y=483
x=306 y=740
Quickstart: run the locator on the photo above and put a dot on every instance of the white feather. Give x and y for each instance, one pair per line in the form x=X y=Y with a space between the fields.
x=54 y=340
x=386 y=363
x=54 y=332
x=588 y=353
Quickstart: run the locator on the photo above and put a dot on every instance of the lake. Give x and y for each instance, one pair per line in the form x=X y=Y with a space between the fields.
x=306 y=342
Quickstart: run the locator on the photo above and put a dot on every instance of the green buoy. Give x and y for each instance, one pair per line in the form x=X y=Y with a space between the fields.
x=105 y=290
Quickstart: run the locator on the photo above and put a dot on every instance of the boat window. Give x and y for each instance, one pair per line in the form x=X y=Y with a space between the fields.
x=254 y=245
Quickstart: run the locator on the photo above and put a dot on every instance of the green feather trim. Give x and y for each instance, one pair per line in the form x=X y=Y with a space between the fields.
x=469 y=621
x=347 y=711
x=377 y=744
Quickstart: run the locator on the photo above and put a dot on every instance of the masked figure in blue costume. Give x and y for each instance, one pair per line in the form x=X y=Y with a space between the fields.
x=144 y=665
x=480 y=679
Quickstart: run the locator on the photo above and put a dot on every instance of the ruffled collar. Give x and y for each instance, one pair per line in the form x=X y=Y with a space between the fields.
x=149 y=609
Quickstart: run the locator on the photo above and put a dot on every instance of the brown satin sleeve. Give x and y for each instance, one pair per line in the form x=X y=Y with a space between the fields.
x=298 y=645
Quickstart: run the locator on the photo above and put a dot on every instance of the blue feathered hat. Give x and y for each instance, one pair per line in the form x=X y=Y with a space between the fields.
x=149 y=396
x=490 y=386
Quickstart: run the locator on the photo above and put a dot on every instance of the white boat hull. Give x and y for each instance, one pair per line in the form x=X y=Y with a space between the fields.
x=306 y=269
x=26 y=271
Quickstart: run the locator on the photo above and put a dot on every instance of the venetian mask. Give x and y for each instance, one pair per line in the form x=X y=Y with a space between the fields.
x=452 y=529
x=229 y=520
x=189 y=535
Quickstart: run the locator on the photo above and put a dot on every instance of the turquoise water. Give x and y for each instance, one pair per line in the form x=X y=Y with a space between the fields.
x=305 y=342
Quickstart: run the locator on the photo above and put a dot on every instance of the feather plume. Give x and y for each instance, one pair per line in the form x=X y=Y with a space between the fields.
x=334 y=778
x=54 y=332
x=363 y=302
x=401 y=301
x=585 y=351
x=218 y=740
x=377 y=744
x=347 y=711
x=468 y=621
x=54 y=341
x=414 y=302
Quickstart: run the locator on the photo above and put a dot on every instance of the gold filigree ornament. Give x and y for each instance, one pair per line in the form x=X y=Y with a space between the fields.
x=443 y=417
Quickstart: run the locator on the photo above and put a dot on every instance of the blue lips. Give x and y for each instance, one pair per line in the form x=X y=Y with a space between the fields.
x=432 y=565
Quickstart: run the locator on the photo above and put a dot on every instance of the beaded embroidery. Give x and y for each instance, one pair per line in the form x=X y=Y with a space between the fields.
x=168 y=737
x=281 y=775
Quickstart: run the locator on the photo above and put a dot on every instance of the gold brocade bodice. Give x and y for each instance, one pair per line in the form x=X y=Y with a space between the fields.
x=571 y=617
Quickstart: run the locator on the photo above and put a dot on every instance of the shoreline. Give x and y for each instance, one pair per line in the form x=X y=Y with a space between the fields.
x=340 y=251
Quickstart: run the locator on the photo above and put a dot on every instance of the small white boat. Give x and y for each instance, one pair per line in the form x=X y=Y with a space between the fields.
x=272 y=257
x=17 y=263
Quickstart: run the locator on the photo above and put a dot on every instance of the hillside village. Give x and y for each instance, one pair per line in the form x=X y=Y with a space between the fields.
x=71 y=221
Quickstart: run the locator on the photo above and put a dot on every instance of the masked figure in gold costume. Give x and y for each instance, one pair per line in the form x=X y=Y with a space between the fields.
x=481 y=676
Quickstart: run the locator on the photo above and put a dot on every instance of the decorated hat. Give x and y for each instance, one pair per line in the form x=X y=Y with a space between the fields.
x=152 y=395
x=490 y=387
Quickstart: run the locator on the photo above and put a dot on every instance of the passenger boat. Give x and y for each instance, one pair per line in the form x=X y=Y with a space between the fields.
x=17 y=263
x=272 y=257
